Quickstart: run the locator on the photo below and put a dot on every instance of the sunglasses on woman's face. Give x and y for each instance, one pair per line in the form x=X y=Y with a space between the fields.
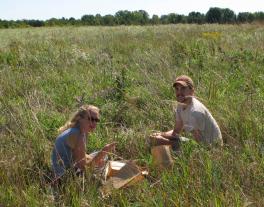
x=93 y=119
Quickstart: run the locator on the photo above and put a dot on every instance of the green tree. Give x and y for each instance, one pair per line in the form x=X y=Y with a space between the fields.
x=164 y=19
x=109 y=20
x=72 y=21
x=259 y=16
x=214 y=15
x=144 y=17
x=244 y=17
x=139 y=17
x=228 y=16
x=98 y=19
x=155 y=19
x=172 y=18
x=88 y=19
x=196 y=17
x=123 y=17
x=54 y=22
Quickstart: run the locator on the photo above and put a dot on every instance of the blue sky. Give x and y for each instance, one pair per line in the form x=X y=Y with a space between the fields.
x=46 y=9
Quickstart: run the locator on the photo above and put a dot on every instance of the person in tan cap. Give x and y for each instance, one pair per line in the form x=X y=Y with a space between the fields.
x=191 y=116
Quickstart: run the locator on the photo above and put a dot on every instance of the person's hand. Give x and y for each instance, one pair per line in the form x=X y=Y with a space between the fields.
x=88 y=159
x=156 y=134
x=197 y=135
x=175 y=136
x=109 y=147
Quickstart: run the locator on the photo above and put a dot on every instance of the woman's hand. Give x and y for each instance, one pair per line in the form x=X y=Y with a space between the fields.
x=99 y=159
x=109 y=147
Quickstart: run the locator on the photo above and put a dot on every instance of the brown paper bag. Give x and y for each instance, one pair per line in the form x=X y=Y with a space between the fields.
x=112 y=168
x=162 y=156
x=127 y=175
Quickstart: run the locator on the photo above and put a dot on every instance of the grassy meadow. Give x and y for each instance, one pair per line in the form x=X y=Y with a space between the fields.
x=128 y=71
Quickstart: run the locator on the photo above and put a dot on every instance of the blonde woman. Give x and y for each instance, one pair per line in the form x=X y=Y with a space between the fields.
x=69 y=151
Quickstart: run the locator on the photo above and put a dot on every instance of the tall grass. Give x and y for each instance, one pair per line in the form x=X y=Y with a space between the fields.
x=128 y=72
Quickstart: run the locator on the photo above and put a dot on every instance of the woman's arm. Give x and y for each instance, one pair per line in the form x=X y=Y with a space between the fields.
x=79 y=155
x=98 y=160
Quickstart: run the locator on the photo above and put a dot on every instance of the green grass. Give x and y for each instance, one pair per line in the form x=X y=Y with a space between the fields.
x=46 y=73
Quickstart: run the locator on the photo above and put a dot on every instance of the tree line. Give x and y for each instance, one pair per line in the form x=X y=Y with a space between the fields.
x=141 y=17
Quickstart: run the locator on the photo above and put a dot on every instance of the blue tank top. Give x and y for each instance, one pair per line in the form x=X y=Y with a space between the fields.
x=62 y=154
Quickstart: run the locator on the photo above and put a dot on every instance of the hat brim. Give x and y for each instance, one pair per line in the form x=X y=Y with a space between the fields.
x=183 y=83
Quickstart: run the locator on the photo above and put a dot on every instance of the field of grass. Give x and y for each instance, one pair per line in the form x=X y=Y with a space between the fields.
x=46 y=73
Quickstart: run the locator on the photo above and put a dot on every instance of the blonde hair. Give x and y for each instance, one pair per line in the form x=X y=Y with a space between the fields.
x=80 y=113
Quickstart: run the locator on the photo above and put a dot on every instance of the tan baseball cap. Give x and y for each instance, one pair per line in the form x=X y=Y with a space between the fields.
x=183 y=80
